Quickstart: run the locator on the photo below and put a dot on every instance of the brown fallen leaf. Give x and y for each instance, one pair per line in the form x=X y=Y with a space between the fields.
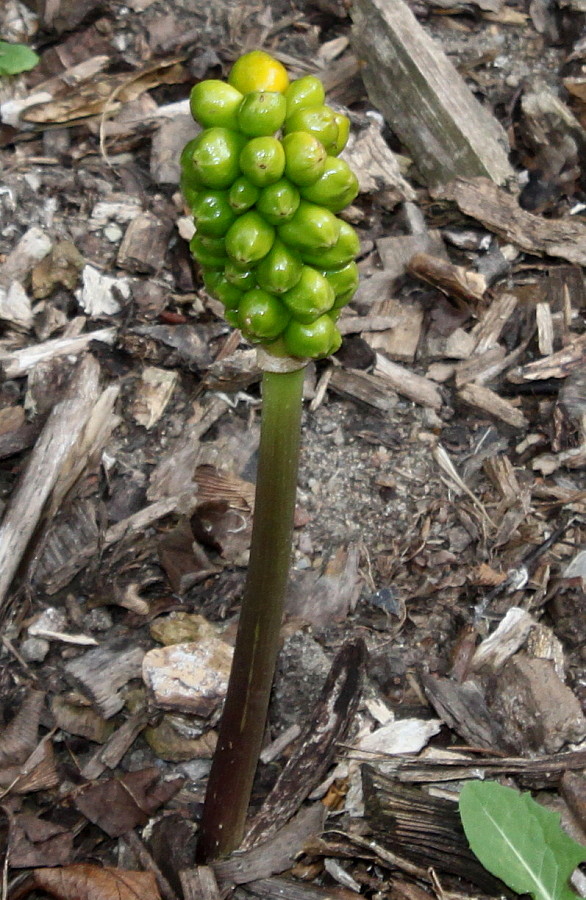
x=85 y=882
x=36 y=842
x=120 y=804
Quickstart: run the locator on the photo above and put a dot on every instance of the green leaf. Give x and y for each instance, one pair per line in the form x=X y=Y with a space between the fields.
x=519 y=841
x=15 y=58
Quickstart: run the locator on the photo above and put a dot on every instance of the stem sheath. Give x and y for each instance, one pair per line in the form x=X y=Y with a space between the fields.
x=257 y=642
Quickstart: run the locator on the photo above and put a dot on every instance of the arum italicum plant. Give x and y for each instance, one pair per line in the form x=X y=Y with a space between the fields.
x=264 y=183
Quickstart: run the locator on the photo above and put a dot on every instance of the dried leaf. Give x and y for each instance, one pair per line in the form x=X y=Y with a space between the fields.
x=85 y=882
x=120 y=804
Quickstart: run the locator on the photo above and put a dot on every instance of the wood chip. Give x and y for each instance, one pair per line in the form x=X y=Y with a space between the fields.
x=48 y=460
x=455 y=281
x=423 y=98
x=361 y=386
x=558 y=365
x=18 y=362
x=415 y=387
x=500 y=212
x=489 y=402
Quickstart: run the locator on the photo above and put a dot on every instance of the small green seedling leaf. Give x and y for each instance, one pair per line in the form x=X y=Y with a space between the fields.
x=15 y=58
x=519 y=841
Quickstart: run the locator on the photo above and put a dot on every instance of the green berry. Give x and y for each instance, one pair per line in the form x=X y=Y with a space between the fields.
x=304 y=92
x=211 y=279
x=262 y=317
x=342 y=299
x=215 y=104
x=343 y=123
x=242 y=195
x=311 y=228
x=262 y=160
x=336 y=188
x=189 y=191
x=249 y=239
x=205 y=256
x=319 y=121
x=261 y=113
x=305 y=158
x=311 y=297
x=212 y=213
x=243 y=279
x=344 y=279
x=346 y=248
x=280 y=270
x=278 y=202
x=317 y=339
x=214 y=245
x=186 y=162
x=215 y=157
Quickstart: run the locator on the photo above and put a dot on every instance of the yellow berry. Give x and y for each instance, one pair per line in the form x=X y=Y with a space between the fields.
x=258 y=71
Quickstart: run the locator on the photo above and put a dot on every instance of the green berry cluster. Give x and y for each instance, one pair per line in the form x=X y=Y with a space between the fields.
x=264 y=184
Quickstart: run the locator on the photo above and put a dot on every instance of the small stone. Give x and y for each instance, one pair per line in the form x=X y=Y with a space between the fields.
x=181 y=628
x=98 y=619
x=34 y=649
x=113 y=233
x=189 y=678
x=52 y=620
x=534 y=709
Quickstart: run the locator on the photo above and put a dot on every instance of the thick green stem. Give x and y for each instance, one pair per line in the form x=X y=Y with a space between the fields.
x=257 y=642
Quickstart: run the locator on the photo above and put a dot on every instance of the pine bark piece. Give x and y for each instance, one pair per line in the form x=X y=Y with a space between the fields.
x=423 y=98
x=558 y=365
x=500 y=212
x=100 y=674
x=275 y=855
x=489 y=402
x=199 y=884
x=456 y=281
x=317 y=744
x=144 y=245
x=50 y=457
x=363 y=387
x=425 y=829
x=18 y=362
x=415 y=387
x=492 y=322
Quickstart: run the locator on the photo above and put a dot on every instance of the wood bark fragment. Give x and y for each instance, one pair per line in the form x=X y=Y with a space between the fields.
x=396 y=251
x=489 y=402
x=108 y=756
x=462 y=284
x=558 y=365
x=375 y=164
x=49 y=459
x=415 y=387
x=287 y=889
x=363 y=387
x=490 y=326
x=317 y=744
x=423 y=98
x=100 y=674
x=274 y=855
x=425 y=829
x=500 y=212
x=144 y=245
x=540 y=771
x=545 y=333
x=17 y=363
x=199 y=884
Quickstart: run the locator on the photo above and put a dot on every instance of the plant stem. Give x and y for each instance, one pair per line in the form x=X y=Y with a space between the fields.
x=257 y=642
